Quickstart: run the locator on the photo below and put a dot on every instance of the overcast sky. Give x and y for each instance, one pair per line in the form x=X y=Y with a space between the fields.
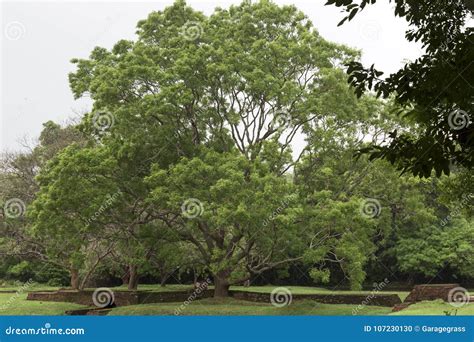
x=39 y=39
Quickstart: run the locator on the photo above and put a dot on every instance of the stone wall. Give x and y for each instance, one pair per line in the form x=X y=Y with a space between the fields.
x=430 y=292
x=426 y=292
x=362 y=299
x=123 y=298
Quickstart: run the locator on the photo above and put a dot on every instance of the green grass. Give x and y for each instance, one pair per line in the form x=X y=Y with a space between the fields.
x=28 y=288
x=231 y=307
x=313 y=290
x=16 y=304
x=437 y=307
x=13 y=304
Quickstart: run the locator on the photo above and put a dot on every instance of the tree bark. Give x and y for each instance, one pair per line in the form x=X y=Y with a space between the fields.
x=221 y=287
x=74 y=278
x=133 y=280
x=126 y=277
x=164 y=279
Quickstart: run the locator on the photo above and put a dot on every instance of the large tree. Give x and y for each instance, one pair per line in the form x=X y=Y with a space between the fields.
x=235 y=89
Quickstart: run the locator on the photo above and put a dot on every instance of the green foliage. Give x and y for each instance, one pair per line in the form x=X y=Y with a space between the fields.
x=185 y=165
x=435 y=90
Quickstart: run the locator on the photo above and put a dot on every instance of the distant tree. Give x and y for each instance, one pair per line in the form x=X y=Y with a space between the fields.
x=68 y=214
x=19 y=187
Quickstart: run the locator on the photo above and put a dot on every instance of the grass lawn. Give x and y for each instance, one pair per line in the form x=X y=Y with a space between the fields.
x=231 y=307
x=18 y=305
x=437 y=307
x=32 y=287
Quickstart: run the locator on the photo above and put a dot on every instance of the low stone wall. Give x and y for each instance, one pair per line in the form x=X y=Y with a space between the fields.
x=426 y=292
x=122 y=298
x=172 y=297
x=430 y=292
x=378 y=299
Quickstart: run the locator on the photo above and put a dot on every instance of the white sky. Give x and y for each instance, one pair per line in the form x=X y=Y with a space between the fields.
x=38 y=39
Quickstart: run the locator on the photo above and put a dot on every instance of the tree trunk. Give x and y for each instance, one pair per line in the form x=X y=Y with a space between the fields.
x=133 y=280
x=74 y=278
x=126 y=277
x=221 y=287
x=164 y=279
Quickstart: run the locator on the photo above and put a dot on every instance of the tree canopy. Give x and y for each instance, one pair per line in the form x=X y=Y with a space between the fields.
x=436 y=90
x=188 y=163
